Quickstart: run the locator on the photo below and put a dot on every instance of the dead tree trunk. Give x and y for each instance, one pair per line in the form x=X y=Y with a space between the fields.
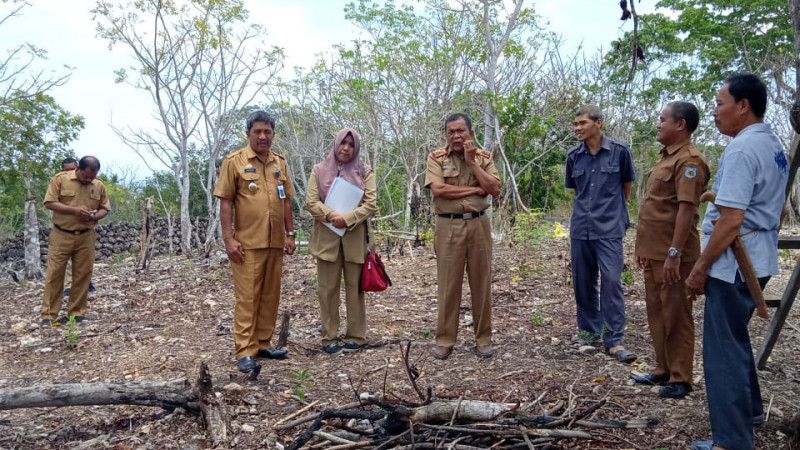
x=33 y=253
x=146 y=247
x=214 y=414
x=165 y=394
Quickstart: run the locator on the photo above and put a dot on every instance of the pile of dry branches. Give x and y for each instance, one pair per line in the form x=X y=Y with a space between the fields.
x=459 y=424
x=373 y=423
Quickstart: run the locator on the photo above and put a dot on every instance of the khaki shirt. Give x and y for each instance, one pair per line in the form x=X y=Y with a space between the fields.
x=253 y=188
x=681 y=175
x=65 y=188
x=449 y=167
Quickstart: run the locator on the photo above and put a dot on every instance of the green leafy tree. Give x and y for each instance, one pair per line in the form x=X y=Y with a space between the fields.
x=35 y=135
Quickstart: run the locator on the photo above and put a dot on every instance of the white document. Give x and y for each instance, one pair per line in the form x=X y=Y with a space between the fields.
x=343 y=196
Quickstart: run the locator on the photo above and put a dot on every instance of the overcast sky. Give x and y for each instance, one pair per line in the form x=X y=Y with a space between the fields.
x=303 y=28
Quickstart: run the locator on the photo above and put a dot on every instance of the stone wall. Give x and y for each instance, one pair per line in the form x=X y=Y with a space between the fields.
x=112 y=238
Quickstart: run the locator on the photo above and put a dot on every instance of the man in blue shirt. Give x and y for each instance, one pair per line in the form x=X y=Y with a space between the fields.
x=749 y=184
x=600 y=172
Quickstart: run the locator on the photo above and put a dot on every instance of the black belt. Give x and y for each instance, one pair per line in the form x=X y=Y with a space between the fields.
x=465 y=216
x=70 y=231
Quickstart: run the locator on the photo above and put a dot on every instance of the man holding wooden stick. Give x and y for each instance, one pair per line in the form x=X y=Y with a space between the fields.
x=749 y=188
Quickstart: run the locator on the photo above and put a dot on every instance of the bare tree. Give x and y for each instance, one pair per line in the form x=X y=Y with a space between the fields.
x=19 y=78
x=194 y=64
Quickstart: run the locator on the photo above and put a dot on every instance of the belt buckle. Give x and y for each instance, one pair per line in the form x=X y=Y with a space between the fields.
x=469 y=215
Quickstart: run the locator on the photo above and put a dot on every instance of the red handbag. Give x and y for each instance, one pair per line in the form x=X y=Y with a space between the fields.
x=373 y=275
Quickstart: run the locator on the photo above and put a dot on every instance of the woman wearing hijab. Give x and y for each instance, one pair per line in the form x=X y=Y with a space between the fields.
x=336 y=255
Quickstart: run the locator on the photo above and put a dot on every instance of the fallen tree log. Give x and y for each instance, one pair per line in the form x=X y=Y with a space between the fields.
x=169 y=395
x=472 y=410
x=165 y=394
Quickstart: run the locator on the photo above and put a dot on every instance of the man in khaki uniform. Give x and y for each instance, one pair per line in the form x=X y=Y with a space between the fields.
x=461 y=178
x=69 y=165
x=257 y=226
x=668 y=244
x=78 y=201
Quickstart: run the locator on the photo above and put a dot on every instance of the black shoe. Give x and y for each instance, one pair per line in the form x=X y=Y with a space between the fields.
x=91 y=286
x=332 y=348
x=675 y=390
x=272 y=353
x=81 y=320
x=66 y=292
x=46 y=323
x=351 y=347
x=247 y=364
x=650 y=379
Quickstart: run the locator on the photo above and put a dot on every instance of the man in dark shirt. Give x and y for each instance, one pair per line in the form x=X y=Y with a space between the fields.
x=600 y=172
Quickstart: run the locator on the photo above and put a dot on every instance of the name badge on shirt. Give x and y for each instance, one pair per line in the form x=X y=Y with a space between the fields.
x=281 y=192
x=449 y=167
x=249 y=170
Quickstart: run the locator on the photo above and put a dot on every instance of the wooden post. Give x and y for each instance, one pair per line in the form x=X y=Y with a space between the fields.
x=146 y=242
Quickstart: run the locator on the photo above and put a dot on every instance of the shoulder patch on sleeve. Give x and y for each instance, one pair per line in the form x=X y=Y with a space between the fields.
x=690 y=171
x=439 y=153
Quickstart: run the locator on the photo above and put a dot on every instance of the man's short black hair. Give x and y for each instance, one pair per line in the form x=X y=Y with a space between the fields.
x=749 y=86
x=69 y=161
x=593 y=111
x=686 y=111
x=458 y=116
x=260 y=116
x=89 y=161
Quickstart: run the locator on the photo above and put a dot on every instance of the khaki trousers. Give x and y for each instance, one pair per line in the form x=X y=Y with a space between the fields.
x=460 y=243
x=669 y=313
x=257 y=282
x=63 y=247
x=329 y=276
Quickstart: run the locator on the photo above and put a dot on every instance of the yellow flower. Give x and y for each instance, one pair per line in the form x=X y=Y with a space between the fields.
x=558 y=230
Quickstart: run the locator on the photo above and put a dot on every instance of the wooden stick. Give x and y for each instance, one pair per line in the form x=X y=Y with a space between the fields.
x=311 y=417
x=296 y=413
x=745 y=265
x=333 y=438
x=351 y=445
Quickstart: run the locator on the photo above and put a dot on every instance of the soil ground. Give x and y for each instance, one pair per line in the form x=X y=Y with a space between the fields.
x=158 y=325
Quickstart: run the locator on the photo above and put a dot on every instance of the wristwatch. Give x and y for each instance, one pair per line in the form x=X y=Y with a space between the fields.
x=290 y=233
x=674 y=252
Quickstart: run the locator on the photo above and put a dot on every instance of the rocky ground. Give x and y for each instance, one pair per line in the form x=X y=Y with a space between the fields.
x=160 y=324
